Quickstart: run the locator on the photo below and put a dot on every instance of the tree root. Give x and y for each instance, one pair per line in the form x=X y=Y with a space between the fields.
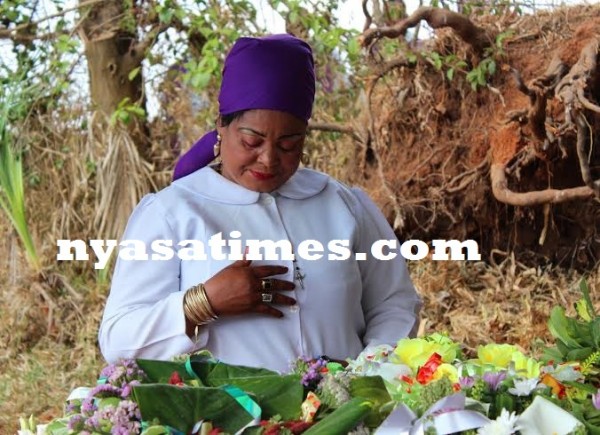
x=569 y=88
x=549 y=196
x=583 y=137
x=437 y=18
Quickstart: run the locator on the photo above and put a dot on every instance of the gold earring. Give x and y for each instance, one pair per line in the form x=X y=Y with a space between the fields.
x=305 y=159
x=217 y=146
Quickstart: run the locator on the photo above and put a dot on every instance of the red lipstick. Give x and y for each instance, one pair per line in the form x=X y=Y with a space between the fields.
x=261 y=175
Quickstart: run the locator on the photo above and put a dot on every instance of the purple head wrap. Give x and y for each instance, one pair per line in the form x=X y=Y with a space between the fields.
x=275 y=72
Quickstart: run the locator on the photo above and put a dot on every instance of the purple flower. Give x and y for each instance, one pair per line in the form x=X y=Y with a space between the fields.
x=466 y=381
x=71 y=408
x=108 y=371
x=88 y=406
x=313 y=375
x=124 y=371
x=493 y=379
x=93 y=423
x=596 y=399
x=75 y=423
x=127 y=388
x=105 y=390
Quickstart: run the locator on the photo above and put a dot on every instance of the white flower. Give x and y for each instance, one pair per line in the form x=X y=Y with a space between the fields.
x=523 y=387
x=505 y=424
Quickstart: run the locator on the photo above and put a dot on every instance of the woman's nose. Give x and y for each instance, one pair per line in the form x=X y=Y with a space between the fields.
x=269 y=156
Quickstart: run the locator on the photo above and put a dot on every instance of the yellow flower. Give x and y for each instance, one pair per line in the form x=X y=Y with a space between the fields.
x=497 y=355
x=526 y=367
x=448 y=349
x=446 y=371
x=414 y=352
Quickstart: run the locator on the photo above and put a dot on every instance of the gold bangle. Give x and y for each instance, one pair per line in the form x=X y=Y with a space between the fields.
x=196 y=306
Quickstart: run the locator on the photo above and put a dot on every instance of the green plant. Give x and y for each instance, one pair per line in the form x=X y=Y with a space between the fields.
x=126 y=111
x=577 y=338
x=480 y=75
x=12 y=192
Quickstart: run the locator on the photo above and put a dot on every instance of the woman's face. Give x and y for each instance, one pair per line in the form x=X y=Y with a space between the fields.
x=261 y=150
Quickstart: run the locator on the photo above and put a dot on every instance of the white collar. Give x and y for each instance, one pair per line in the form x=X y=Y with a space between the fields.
x=209 y=184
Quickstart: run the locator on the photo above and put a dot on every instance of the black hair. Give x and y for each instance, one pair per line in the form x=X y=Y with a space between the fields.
x=225 y=120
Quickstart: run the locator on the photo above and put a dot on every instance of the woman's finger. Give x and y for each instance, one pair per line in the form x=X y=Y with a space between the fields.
x=275 y=299
x=275 y=285
x=280 y=299
x=240 y=263
x=268 y=310
x=265 y=271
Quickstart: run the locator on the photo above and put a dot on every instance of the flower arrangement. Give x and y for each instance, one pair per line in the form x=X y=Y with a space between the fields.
x=421 y=385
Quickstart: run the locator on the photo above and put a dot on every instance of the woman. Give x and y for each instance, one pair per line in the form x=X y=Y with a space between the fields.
x=257 y=312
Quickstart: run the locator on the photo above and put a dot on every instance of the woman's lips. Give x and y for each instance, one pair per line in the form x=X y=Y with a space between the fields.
x=261 y=175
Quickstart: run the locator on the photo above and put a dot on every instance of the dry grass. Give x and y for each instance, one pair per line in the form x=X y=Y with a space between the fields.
x=506 y=302
x=45 y=356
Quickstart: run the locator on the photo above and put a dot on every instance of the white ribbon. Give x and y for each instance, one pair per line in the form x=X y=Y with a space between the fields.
x=79 y=393
x=446 y=416
x=544 y=417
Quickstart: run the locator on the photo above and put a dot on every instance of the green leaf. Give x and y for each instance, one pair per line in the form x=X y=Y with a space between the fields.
x=595 y=332
x=58 y=427
x=344 y=419
x=579 y=354
x=210 y=371
x=182 y=407
x=372 y=388
x=450 y=74
x=275 y=394
x=156 y=430
x=353 y=47
x=553 y=354
x=560 y=328
x=124 y=116
x=200 y=80
x=133 y=73
x=585 y=290
x=160 y=371
x=165 y=15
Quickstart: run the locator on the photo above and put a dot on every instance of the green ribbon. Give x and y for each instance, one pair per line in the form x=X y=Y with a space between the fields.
x=244 y=400
x=188 y=368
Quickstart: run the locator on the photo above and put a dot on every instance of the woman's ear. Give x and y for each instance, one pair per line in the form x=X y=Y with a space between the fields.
x=220 y=126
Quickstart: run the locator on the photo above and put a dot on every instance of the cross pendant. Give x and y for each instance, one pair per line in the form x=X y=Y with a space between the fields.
x=300 y=277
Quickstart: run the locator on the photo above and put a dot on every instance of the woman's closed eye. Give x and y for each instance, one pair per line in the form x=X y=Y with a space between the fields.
x=290 y=144
x=250 y=141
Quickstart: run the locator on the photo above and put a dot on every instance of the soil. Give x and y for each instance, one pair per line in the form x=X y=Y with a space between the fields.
x=434 y=140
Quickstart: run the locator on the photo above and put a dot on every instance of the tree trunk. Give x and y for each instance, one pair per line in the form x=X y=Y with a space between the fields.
x=112 y=51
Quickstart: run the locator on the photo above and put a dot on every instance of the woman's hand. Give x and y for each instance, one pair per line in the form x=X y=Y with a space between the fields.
x=238 y=289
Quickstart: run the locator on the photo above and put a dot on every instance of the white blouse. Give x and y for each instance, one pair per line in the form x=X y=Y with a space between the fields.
x=342 y=307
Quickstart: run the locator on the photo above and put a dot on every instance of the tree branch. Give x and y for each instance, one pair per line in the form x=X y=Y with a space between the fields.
x=368 y=19
x=336 y=128
x=19 y=34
